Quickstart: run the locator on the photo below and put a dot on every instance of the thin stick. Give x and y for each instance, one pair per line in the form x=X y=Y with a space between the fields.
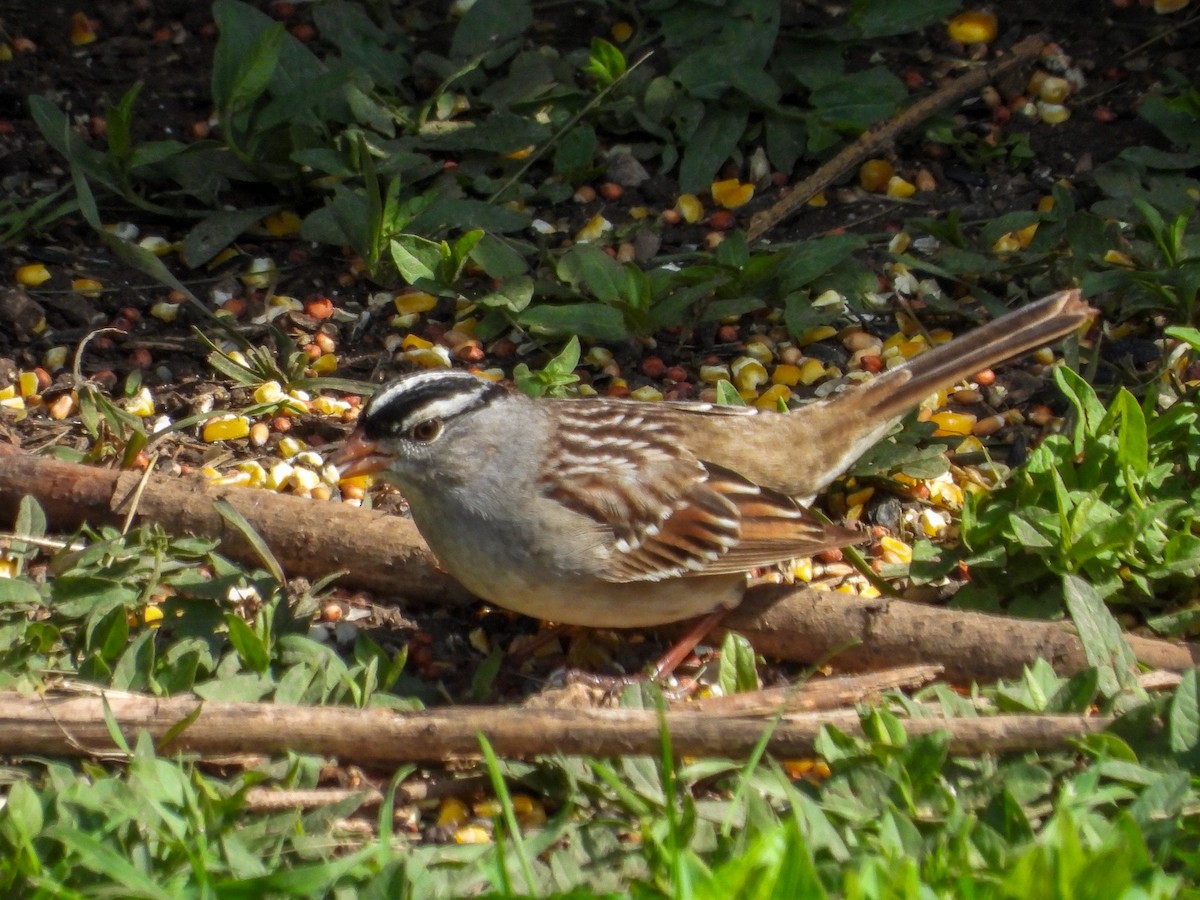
x=871 y=141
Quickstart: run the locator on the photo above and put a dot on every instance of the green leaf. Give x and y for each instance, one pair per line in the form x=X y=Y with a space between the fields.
x=416 y=258
x=250 y=647
x=1133 y=448
x=512 y=295
x=231 y=515
x=488 y=25
x=710 y=145
x=217 y=231
x=737 y=671
x=1183 y=721
x=498 y=258
x=1104 y=644
x=602 y=323
x=586 y=266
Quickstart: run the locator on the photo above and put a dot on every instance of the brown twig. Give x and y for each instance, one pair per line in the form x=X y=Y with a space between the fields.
x=268 y=799
x=819 y=693
x=870 y=142
x=64 y=724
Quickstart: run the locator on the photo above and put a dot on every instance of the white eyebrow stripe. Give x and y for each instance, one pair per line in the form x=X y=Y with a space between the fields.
x=442 y=408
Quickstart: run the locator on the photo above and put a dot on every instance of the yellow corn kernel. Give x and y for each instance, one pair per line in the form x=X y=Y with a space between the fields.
x=87 y=287
x=260 y=273
x=811 y=371
x=818 y=201
x=32 y=275
x=152 y=616
x=278 y=476
x=1006 y=243
x=760 y=350
x=164 y=311
x=27 y=383
x=227 y=428
x=1045 y=204
x=946 y=494
x=141 y=404
x=289 y=446
x=621 y=32
x=226 y=479
x=932 y=522
x=593 y=229
x=970 y=444
x=524 y=153
x=647 y=394
x=15 y=404
x=433 y=358
x=452 y=812
x=874 y=174
x=269 y=392
x=713 y=374
x=973 y=27
x=325 y=364
x=940 y=336
x=899 y=189
x=748 y=373
x=859 y=497
x=254 y=471
x=690 y=207
x=472 y=834
x=414 y=302
x=786 y=374
x=1044 y=356
x=302 y=481
x=773 y=396
x=1117 y=258
x=817 y=333
x=160 y=246
x=282 y=223
x=81 y=29
x=895 y=551
x=731 y=193
x=802 y=569
x=330 y=406
x=413 y=342
x=1025 y=235
x=950 y=424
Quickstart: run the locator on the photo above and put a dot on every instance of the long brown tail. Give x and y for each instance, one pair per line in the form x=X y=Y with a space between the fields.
x=896 y=392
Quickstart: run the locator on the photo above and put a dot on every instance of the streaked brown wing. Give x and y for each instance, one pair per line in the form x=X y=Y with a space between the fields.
x=670 y=515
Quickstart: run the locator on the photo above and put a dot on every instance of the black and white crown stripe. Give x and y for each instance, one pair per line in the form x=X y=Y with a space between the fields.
x=423 y=396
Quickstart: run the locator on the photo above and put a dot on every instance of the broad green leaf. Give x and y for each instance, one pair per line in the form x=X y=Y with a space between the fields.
x=218 y=230
x=602 y=323
x=250 y=647
x=587 y=267
x=1103 y=643
x=1183 y=722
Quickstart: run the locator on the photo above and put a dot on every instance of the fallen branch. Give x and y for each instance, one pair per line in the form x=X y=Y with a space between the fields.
x=385 y=554
x=818 y=693
x=263 y=799
x=380 y=553
x=73 y=724
x=870 y=143
x=861 y=634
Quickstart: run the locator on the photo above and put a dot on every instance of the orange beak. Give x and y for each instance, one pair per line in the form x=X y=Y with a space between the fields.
x=359 y=456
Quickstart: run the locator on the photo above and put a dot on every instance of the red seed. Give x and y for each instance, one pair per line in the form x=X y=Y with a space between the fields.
x=141 y=358
x=319 y=307
x=611 y=191
x=721 y=220
x=727 y=334
x=653 y=367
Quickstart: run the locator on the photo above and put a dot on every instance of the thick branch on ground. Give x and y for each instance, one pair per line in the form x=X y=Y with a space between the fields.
x=74 y=725
x=381 y=553
x=385 y=554
x=856 y=633
x=875 y=141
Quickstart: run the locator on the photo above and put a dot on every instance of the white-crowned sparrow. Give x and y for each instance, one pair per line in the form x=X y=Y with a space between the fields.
x=613 y=513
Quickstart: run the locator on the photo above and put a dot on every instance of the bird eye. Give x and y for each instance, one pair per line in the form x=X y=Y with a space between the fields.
x=426 y=431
